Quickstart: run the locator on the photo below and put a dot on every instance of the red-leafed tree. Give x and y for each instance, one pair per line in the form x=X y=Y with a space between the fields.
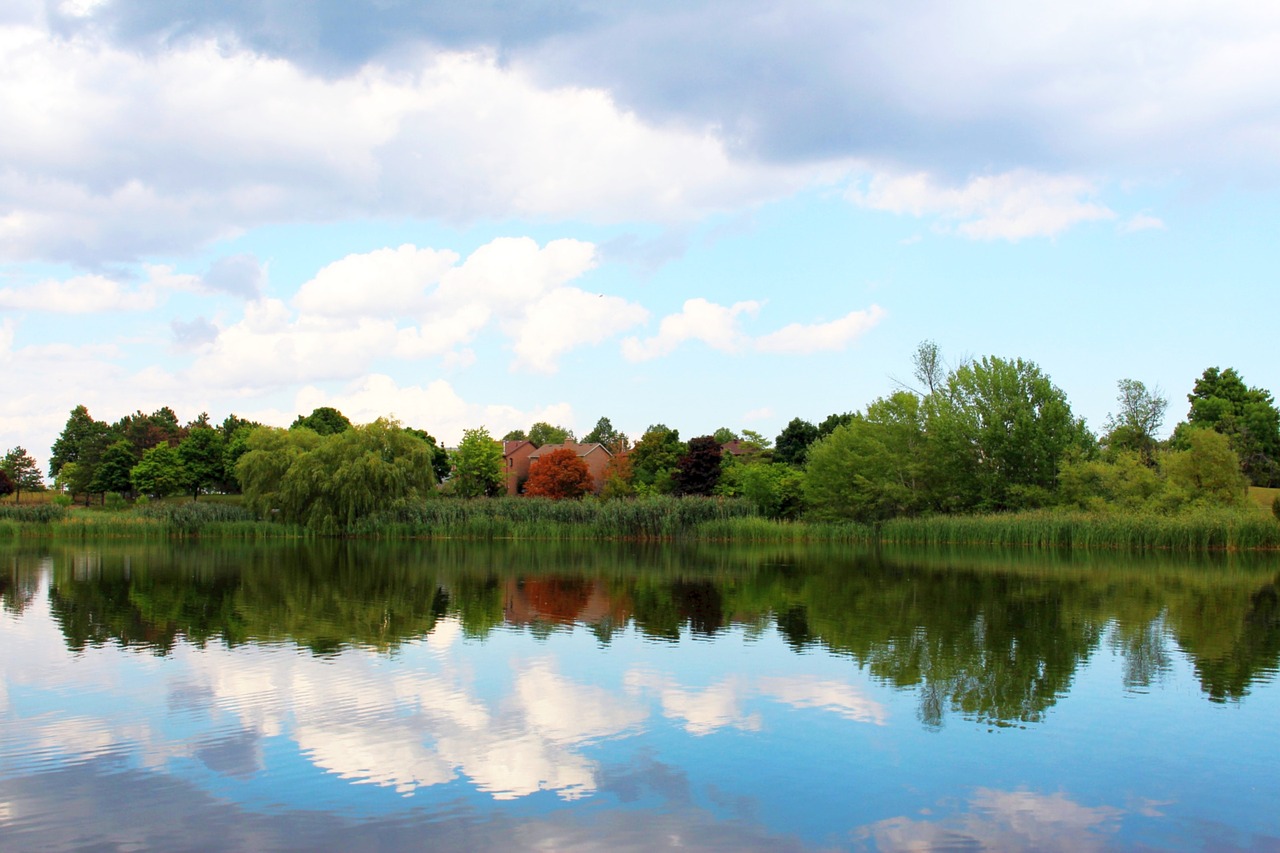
x=558 y=475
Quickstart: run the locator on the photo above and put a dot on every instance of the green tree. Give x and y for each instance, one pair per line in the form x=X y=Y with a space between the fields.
x=1207 y=471
x=724 y=435
x=269 y=454
x=113 y=473
x=543 y=433
x=1000 y=431
x=1123 y=479
x=698 y=470
x=516 y=435
x=324 y=420
x=144 y=431
x=830 y=422
x=477 y=465
x=776 y=490
x=440 y=466
x=23 y=472
x=1134 y=427
x=559 y=475
x=604 y=433
x=929 y=367
x=654 y=459
x=873 y=467
x=160 y=473
x=81 y=431
x=793 y=442
x=6 y=485
x=1221 y=401
x=202 y=454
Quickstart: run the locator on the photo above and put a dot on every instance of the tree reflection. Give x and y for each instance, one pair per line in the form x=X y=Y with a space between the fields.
x=994 y=638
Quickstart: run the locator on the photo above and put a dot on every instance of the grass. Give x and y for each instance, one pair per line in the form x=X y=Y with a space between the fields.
x=1263 y=496
x=668 y=518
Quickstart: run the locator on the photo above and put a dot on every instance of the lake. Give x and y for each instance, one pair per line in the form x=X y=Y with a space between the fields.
x=516 y=696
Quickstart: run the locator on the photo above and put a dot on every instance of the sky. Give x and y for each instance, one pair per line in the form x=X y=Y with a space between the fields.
x=701 y=214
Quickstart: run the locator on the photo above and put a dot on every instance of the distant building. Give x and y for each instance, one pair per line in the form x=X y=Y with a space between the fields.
x=515 y=461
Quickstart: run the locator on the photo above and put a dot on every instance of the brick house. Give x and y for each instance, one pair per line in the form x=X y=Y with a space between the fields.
x=515 y=462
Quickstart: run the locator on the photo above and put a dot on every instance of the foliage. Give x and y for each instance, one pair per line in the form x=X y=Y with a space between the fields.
x=830 y=422
x=202 y=454
x=1134 y=427
x=516 y=435
x=6 y=485
x=559 y=475
x=724 y=435
x=1207 y=471
x=160 y=472
x=144 y=431
x=792 y=444
x=618 y=474
x=698 y=470
x=1220 y=400
x=654 y=459
x=929 y=368
x=114 y=472
x=439 y=456
x=873 y=467
x=23 y=472
x=80 y=428
x=999 y=433
x=477 y=465
x=1123 y=480
x=330 y=483
x=604 y=433
x=324 y=420
x=776 y=491
x=542 y=433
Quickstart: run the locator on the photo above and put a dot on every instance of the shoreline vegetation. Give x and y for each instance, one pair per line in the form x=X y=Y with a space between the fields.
x=666 y=518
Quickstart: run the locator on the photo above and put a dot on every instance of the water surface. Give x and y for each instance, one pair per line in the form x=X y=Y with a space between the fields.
x=341 y=696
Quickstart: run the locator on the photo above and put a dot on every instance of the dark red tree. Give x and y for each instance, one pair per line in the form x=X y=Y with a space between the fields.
x=558 y=475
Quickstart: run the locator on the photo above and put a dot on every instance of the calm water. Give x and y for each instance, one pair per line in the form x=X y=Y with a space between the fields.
x=449 y=696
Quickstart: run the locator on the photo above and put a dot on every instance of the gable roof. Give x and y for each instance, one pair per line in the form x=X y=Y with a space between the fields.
x=580 y=449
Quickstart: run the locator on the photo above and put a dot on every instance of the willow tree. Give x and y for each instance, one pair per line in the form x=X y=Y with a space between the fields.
x=329 y=483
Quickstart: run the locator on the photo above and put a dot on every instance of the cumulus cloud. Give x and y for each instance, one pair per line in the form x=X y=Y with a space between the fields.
x=193 y=334
x=699 y=320
x=718 y=327
x=802 y=339
x=111 y=154
x=410 y=303
x=84 y=294
x=1009 y=206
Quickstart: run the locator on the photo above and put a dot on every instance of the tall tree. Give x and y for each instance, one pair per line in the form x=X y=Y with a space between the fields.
x=1000 y=430
x=202 y=455
x=477 y=465
x=698 y=470
x=23 y=472
x=324 y=420
x=654 y=459
x=440 y=466
x=113 y=473
x=1247 y=416
x=873 y=467
x=1135 y=425
x=81 y=430
x=793 y=442
x=930 y=369
x=559 y=475
x=160 y=473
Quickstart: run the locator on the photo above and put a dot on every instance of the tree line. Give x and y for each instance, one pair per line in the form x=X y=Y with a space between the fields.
x=985 y=435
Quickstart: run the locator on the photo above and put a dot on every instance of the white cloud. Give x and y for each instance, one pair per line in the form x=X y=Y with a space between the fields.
x=703 y=711
x=382 y=283
x=717 y=327
x=566 y=319
x=1009 y=206
x=699 y=320
x=111 y=154
x=801 y=339
x=84 y=294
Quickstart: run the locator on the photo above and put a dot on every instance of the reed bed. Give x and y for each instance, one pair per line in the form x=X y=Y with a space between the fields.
x=1197 y=530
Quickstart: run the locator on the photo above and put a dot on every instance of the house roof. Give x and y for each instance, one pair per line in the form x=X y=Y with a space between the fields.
x=580 y=449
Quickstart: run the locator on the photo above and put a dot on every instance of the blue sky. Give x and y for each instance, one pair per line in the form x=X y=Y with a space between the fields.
x=703 y=214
